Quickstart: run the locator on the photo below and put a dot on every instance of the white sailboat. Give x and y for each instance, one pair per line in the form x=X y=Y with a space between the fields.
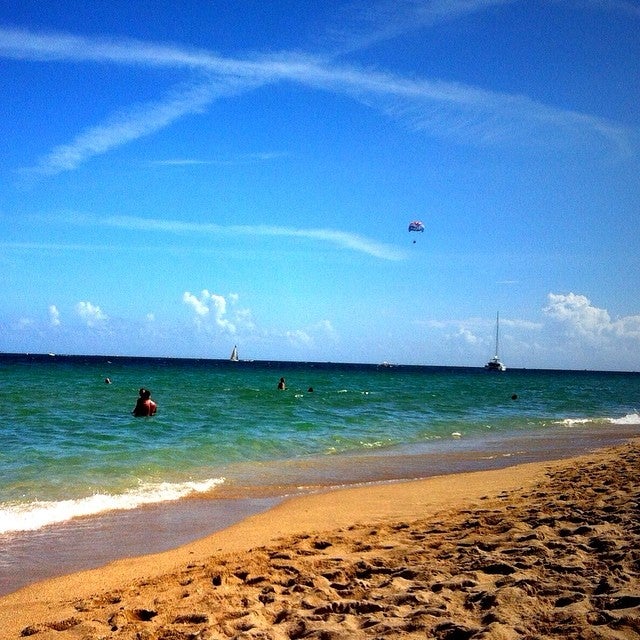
x=495 y=364
x=234 y=354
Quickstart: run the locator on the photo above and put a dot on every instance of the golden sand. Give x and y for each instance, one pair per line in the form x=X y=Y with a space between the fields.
x=544 y=550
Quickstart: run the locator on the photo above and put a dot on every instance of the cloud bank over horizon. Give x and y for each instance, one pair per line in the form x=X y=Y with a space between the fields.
x=220 y=318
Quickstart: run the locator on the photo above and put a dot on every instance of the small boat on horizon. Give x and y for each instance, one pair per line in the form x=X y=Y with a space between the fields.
x=234 y=354
x=495 y=364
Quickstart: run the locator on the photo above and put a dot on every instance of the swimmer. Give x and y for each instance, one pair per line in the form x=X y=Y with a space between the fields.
x=145 y=406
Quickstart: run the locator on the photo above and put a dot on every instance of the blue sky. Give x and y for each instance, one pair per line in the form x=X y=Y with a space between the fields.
x=183 y=177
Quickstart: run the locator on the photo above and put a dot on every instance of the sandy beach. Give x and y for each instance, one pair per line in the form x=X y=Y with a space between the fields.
x=542 y=550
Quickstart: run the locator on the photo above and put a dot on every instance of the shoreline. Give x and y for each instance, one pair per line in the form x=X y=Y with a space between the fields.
x=93 y=541
x=193 y=588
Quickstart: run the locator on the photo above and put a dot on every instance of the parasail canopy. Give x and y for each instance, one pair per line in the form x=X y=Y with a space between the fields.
x=416 y=225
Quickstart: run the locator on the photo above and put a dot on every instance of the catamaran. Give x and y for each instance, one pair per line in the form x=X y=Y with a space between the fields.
x=495 y=364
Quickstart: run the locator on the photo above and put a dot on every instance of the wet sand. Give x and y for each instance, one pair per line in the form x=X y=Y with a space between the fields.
x=540 y=550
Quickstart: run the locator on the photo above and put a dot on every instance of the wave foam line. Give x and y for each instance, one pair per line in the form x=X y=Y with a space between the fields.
x=35 y=515
x=631 y=418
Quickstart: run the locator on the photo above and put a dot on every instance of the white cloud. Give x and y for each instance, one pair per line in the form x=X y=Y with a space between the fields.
x=54 y=316
x=90 y=313
x=199 y=305
x=577 y=314
x=214 y=306
x=581 y=319
x=220 y=313
x=244 y=319
x=326 y=327
x=629 y=326
x=217 y=313
x=467 y=336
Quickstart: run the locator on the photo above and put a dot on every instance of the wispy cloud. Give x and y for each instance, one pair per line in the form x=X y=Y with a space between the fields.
x=130 y=125
x=23 y=44
x=445 y=109
x=247 y=158
x=466 y=113
x=342 y=239
x=389 y=19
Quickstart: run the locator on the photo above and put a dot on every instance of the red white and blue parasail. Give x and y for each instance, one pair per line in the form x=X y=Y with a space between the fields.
x=416 y=225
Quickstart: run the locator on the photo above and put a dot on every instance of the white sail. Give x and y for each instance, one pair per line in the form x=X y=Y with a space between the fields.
x=234 y=354
x=495 y=364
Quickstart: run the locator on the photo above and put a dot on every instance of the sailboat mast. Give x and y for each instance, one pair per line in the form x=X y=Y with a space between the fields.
x=494 y=364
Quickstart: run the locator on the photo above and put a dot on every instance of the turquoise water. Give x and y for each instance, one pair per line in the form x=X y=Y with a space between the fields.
x=83 y=482
x=71 y=446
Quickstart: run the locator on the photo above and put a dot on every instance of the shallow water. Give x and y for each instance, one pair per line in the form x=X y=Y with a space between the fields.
x=225 y=435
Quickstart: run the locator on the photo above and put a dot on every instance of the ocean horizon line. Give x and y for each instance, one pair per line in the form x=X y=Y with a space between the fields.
x=41 y=356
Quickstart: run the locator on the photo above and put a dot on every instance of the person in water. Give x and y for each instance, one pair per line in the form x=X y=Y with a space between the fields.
x=281 y=385
x=145 y=406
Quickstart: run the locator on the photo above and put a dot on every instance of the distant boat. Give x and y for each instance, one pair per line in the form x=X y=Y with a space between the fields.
x=495 y=364
x=234 y=355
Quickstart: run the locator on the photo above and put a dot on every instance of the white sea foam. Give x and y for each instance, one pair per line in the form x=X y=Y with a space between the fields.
x=631 y=418
x=570 y=422
x=38 y=514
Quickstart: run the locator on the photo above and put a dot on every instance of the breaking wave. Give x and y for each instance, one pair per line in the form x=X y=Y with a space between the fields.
x=630 y=418
x=31 y=516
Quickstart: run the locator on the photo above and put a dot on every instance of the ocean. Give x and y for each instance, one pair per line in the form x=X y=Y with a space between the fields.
x=83 y=482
